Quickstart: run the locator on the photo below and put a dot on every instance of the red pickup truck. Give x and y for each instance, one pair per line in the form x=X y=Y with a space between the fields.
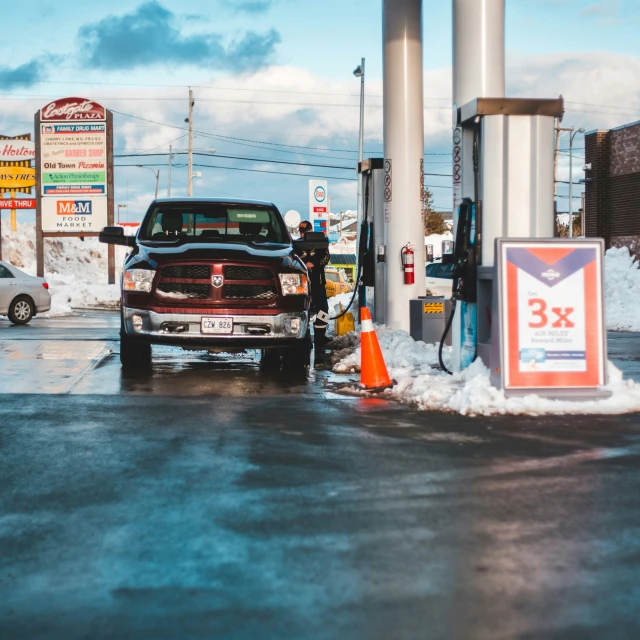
x=220 y=275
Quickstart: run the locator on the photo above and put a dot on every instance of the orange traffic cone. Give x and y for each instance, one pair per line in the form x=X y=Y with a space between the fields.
x=373 y=371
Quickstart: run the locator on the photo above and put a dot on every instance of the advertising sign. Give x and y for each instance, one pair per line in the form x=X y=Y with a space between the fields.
x=17 y=178
x=318 y=199
x=457 y=169
x=552 y=314
x=72 y=109
x=388 y=189
x=74 y=163
x=319 y=205
x=73 y=159
x=17 y=150
x=85 y=214
x=13 y=203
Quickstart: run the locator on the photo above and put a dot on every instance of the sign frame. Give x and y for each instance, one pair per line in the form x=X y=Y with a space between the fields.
x=24 y=163
x=568 y=372
x=98 y=115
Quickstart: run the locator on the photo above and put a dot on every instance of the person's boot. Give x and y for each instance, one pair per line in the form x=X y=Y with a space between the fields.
x=319 y=341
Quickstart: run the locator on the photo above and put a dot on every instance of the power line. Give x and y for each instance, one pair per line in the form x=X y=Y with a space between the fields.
x=37 y=98
x=238 y=141
x=284 y=173
x=301 y=164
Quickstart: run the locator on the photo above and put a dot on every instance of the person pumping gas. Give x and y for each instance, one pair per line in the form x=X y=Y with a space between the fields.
x=316 y=260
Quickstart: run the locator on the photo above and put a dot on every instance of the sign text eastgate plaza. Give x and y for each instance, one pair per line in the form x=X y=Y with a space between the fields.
x=73 y=109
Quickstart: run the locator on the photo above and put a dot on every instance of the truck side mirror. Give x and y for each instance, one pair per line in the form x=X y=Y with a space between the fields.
x=115 y=235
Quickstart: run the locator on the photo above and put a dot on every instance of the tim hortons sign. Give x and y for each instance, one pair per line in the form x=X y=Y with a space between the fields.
x=72 y=109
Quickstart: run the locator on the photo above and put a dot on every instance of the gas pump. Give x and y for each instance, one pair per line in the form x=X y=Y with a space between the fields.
x=372 y=259
x=505 y=155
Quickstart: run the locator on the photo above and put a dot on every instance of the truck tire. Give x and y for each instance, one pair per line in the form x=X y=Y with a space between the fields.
x=271 y=359
x=298 y=356
x=133 y=354
x=21 y=310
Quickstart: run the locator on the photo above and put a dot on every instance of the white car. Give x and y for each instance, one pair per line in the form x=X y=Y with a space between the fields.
x=439 y=280
x=22 y=296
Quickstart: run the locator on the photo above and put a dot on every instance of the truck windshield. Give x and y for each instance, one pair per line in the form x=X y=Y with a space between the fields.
x=212 y=222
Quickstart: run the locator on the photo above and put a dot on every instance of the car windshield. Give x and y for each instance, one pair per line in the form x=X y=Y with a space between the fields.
x=334 y=277
x=439 y=270
x=213 y=222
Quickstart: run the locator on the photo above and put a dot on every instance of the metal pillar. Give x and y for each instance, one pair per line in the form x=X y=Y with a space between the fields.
x=478 y=50
x=478 y=72
x=403 y=152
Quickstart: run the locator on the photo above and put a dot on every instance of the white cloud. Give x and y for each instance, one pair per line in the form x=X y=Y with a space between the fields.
x=601 y=89
x=605 y=9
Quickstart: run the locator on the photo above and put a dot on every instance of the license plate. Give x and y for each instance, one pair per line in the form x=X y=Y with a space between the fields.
x=216 y=325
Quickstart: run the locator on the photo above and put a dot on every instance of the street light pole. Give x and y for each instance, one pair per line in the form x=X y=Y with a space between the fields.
x=156 y=174
x=571 y=137
x=359 y=73
x=572 y=133
x=190 y=160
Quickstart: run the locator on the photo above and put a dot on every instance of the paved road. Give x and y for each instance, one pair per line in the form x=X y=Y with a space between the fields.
x=210 y=500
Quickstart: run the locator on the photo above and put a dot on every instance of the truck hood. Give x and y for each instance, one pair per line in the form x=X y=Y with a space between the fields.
x=155 y=254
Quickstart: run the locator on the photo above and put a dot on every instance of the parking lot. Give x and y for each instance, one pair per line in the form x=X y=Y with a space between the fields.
x=208 y=498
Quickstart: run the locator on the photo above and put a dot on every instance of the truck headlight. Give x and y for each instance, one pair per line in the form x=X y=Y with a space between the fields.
x=138 y=280
x=293 y=284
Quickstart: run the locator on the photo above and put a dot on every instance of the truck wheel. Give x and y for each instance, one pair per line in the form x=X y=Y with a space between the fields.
x=134 y=355
x=298 y=356
x=21 y=310
x=271 y=359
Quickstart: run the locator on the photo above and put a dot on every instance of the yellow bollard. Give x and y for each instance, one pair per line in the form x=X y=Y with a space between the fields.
x=345 y=323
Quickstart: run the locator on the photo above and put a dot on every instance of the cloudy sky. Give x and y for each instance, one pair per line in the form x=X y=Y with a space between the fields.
x=273 y=84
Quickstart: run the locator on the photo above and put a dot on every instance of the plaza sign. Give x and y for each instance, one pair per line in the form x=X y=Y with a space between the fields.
x=72 y=109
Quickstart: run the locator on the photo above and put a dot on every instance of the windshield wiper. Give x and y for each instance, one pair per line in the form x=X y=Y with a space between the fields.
x=261 y=242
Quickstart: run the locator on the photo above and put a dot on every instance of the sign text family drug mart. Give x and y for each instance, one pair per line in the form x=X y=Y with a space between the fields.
x=74 y=163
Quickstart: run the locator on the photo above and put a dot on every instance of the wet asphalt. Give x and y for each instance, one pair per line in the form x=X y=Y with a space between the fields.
x=209 y=499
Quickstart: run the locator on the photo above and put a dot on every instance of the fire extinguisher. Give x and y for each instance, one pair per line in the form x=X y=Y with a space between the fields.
x=407 y=257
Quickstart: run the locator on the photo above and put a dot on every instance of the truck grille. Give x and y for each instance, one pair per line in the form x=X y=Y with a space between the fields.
x=184 y=291
x=248 y=292
x=188 y=271
x=247 y=273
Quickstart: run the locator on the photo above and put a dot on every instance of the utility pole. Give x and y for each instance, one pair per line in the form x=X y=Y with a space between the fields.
x=169 y=177
x=190 y=160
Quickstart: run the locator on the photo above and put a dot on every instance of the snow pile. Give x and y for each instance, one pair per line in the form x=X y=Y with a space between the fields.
x=413 y=365
x=76 y=270
x=343 y=246
x=401 y=353
x=621 y=290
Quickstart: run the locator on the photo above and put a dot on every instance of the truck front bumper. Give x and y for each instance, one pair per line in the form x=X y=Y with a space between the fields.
x=255 y=331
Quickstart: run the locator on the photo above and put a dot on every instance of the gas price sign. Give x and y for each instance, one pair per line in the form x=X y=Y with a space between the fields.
x=552 y=314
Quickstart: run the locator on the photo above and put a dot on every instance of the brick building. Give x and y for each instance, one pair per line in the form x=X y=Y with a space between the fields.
x=612 y=189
